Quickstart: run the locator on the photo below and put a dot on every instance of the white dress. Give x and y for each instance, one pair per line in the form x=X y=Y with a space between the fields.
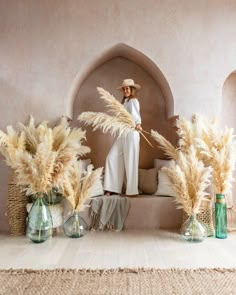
x=124 y=156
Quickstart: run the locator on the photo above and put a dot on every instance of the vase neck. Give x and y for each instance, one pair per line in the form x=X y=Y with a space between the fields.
x=193 y=216
x=41 y=199
x=76 y=215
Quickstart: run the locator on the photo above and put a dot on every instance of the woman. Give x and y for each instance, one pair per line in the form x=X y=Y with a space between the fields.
x=124 y=154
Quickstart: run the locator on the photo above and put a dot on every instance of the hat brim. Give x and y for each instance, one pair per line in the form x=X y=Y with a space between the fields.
x=136 y=86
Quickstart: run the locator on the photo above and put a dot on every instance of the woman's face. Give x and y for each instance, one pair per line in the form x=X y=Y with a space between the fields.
x=126 y=91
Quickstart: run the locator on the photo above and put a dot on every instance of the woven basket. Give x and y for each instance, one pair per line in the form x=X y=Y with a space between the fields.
x=16 y=208
x=204 y=216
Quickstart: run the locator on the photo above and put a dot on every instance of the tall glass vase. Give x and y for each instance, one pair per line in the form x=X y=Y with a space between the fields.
x=193 y=230
x=220 y=217
x=75 y=226
x=39 y=221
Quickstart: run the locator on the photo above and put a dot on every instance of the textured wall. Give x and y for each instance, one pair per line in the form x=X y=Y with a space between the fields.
x=49 y=45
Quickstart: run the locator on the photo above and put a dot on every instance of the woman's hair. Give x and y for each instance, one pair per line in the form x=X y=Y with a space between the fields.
x=132 y=95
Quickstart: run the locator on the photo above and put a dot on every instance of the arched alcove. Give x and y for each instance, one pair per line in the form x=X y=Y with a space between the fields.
x=228 y=110
x=131 y=54
x=108 y=71
x=228 y=105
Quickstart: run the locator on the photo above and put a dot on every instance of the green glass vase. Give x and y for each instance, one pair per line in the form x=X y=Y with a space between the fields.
x=193 y=230
x=75 y=226
x=39 y=221
x=220 y=217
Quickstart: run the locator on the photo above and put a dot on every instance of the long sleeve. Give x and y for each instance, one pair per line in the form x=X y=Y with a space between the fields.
x=132 y=106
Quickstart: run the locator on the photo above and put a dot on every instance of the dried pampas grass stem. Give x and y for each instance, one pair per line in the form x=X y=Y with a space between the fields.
x=105 y=122
x=116 y=108
x=141 y=132
x=165 y=145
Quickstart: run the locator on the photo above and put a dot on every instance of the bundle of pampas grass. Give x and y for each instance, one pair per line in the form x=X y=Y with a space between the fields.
x=216 y=148
x=80 y=186
x=189 y=178
x=42 y=156
x=120 y=123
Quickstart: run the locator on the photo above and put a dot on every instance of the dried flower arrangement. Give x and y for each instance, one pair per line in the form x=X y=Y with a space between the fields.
x=189 y=178
x=42 y=156
x=80 y=186
x=217 y=149
x=121 y=123
x=214 y=147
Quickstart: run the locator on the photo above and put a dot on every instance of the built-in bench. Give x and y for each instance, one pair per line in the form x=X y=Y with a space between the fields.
x=149 y=212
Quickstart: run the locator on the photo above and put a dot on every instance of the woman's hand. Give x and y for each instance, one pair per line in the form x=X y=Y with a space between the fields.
x=138 y=127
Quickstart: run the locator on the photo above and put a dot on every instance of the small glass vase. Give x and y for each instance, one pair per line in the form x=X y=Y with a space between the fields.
x=39 y=221
x=193 y=230
x=75 y=226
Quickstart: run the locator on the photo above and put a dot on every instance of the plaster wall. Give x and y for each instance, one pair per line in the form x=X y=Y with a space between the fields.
x=46 y=45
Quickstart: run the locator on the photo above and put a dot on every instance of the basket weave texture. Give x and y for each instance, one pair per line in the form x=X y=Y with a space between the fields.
x=16 y=207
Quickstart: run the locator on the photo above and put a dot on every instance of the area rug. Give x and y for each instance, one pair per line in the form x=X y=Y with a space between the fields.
x=118 y=281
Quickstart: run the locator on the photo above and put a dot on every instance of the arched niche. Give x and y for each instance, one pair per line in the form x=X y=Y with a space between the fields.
x=228 y=106
x=156 y=101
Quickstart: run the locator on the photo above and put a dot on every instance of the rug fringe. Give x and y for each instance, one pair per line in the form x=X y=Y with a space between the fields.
x=116 y=270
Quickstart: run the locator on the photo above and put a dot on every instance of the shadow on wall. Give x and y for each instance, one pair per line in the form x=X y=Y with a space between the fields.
x=156 y=101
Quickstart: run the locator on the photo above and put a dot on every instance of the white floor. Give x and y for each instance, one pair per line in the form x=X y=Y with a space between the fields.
x=159 y=249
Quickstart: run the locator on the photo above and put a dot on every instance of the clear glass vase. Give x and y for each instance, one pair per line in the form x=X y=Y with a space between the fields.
x=52 y=197
x=75 y=226
x=193 y=230
x=39 y=221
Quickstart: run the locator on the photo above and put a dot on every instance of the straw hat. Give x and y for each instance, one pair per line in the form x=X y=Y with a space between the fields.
x=130 y=83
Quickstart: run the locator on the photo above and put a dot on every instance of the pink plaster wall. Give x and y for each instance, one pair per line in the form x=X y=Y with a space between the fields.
x=48 y=46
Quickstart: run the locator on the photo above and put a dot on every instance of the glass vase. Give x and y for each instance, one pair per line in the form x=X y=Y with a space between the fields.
x=75 y=226
x=220 y=217
x=52 y=197
x=39 y=221
x=193 y=230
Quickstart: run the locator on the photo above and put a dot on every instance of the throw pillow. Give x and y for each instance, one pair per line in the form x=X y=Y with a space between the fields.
x=159 y=163
x=99 y=191
x=85 y=164
x=147 y=181
x=164 y=185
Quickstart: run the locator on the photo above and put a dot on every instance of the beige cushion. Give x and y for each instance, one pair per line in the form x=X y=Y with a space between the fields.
x=85 y=163
x=159 y=163
x=147 y=181
x=164 y=185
